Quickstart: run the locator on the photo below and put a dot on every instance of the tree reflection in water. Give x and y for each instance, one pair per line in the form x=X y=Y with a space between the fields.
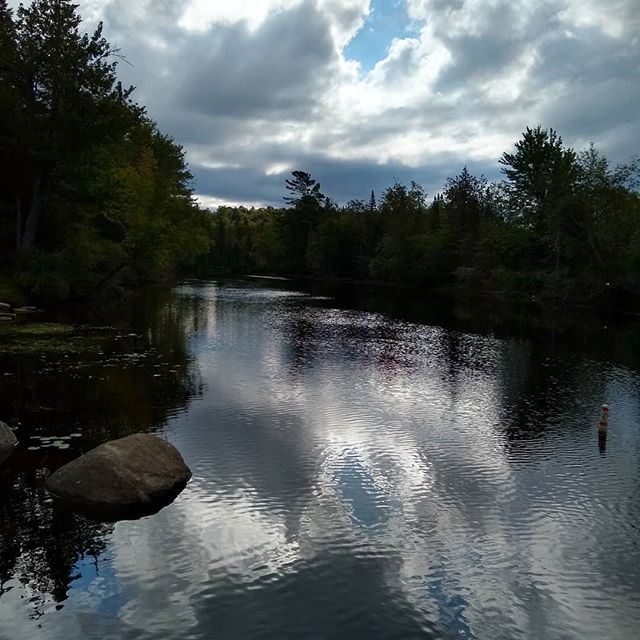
x=40 y=544
x=133 y=374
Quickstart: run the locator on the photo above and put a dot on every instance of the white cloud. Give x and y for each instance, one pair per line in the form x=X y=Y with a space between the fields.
x=200 y=15
x=211 y=202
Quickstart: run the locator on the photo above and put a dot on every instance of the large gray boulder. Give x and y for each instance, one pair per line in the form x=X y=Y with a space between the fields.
x=130 y=477
x=8 y=442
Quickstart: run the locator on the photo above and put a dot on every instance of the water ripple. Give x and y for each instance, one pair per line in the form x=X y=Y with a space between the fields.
x=359 y=476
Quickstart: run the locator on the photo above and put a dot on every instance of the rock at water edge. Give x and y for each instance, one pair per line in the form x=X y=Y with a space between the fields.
x=8 y=441
x=128 y=477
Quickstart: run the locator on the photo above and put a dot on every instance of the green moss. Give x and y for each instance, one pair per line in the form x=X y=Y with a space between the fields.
x=37 y=338
x=41 y=329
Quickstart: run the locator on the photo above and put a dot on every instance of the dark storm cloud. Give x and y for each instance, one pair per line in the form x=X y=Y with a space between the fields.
x=355 y=180
x=585 y=76
x=340 y=180
x=598 y=88
x=489 y=49
x=277 y=71
x=229 y=87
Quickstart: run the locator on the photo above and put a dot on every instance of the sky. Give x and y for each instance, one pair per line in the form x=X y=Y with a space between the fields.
x=363 y=93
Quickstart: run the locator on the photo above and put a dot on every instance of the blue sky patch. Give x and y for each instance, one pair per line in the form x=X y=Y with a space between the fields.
x=387 y=20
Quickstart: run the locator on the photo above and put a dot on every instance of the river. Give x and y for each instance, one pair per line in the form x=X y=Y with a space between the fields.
x=366 y=465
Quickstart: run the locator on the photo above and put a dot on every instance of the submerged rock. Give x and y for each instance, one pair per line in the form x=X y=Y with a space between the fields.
x=8 y=442
x=5 y=307
x=126 y=478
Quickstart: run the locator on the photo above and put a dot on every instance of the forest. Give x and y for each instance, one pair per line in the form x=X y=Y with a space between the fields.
x=91 y=192
x=561 y=225
x=93 y=196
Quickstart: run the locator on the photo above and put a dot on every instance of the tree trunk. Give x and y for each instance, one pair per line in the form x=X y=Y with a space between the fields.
x=586 y=229
x=39 y=197
x=18 y=223
x=114 y=272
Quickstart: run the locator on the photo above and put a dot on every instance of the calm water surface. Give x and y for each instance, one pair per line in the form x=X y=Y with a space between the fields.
x=361 y=470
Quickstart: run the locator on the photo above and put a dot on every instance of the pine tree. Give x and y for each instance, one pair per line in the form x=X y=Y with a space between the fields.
x=303 y=189
x=9 y=108
x=65 y=78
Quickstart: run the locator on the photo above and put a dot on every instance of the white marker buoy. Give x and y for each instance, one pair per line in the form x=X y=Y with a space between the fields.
x=604 y=418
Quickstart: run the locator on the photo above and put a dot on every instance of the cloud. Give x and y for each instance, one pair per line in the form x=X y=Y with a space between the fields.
x=257 y=87
x=277 y=72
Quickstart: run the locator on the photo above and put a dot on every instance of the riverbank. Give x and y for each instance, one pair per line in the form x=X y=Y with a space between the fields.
x=492 y=308
x=602 y=303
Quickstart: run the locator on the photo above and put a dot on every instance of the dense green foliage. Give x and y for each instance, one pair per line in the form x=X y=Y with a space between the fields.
x=92 y=193
x=561 y=225
x=90 y=190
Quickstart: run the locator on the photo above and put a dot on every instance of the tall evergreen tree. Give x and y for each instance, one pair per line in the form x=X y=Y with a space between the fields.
x=9 y=128
x=303 y=189
x=468 y=203
x=305 y=202
x=541 y=180
x=64 y=80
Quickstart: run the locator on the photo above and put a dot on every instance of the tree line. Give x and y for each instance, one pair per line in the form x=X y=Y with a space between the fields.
x=92 y=193
x=90 y=190
x=561 y=224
